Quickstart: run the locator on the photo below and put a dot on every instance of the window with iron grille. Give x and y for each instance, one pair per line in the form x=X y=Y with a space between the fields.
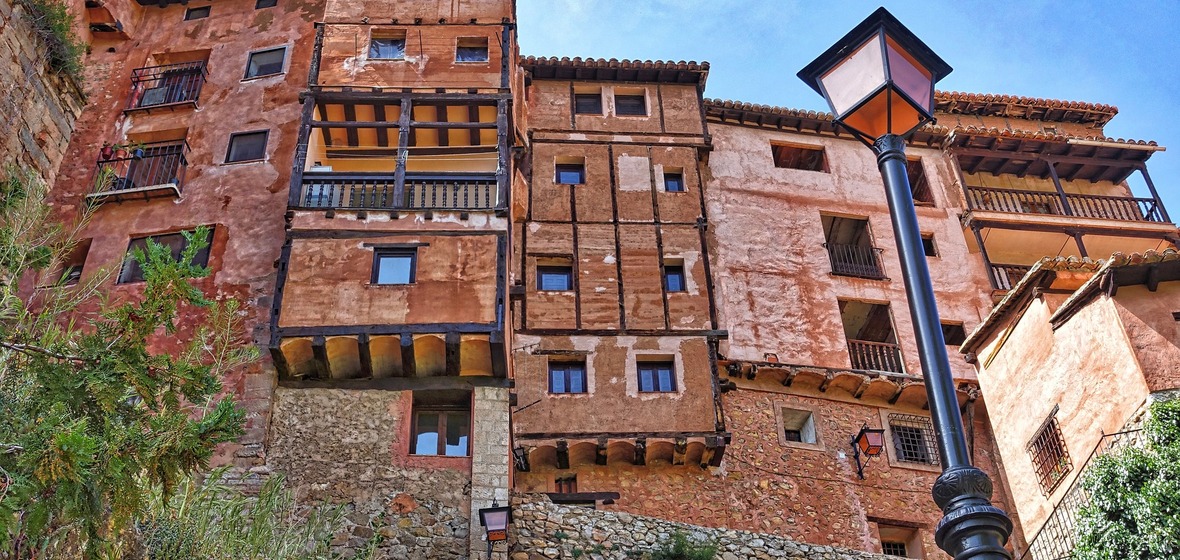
x=913 y=439
x=893 y=548
x=1048 y=453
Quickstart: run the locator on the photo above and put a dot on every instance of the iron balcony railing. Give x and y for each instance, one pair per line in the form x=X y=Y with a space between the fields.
x=167 y=84
x=1080 y=205
x=159 y=164
x=875 y=356
x=855 y=260
x=1005 y=276
x=451 y=191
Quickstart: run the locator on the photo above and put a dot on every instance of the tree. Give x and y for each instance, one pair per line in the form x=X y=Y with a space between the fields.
x=1134 y=507
x=95 y=413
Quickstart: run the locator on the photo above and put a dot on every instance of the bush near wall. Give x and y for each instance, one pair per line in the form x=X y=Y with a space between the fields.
x=55 y=25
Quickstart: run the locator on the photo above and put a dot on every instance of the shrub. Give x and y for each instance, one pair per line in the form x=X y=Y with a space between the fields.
x=55 y=25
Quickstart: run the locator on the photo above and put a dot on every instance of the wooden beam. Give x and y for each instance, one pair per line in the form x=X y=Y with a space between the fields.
x=327 y=132
x=440 y=383
x=563 y=454
x=280 y=361
x=711 y=444
x=860 y=389
x=679 y=449
x=1153 y=278
x=319 y=351
x=353 y=125
x=453 y=359
x=379 y=329
x=498 y=355
x=790 y=377
x=897 y=394
x=640 y=451
x=600 y=452
x=828 y=377
x=409 y=368
x=362 y=342
x=350 y=116
x=473 y=116
x=447 y=124
x=382 y=133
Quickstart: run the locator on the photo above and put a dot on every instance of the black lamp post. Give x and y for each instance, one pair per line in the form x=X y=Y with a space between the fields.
x=879 y=81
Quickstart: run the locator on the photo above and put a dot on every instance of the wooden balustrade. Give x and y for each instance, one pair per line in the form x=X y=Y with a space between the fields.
x=1005 y=276
x=378 y=191
x=875 y=356
x=1049 y=202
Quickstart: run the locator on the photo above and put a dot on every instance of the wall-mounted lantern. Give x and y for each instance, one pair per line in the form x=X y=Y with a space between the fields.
x=495 y=521
x=869 y=442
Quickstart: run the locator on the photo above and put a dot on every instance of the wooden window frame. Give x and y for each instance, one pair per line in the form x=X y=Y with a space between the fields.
x=190 y=14
x=641 y=97
x=234 y=136
x=387 y=35
x=559 y=168
x=282 y=64
x=379 y=254
x=566 y=270
x=678 y=177
x=443 y=413
x=485 y=45
x=653 y=367
x=130 y=272
x=563 y=368
x=675 y=270
x=781 y=162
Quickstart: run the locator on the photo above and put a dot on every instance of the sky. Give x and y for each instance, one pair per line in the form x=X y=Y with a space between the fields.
x=1125 y=54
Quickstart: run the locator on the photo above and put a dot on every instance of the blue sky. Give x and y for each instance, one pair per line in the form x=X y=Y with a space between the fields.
x=1119 y=53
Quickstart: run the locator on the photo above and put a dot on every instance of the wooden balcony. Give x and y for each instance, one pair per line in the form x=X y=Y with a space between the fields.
x=166 y=86
x=1004 y=276
x=386 y=360
x=378 y=191
x=153 y=171
x=875 y=356
x=1052 y=203
x=856 y=261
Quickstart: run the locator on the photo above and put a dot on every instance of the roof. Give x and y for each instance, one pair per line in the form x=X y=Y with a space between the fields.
x=614 y=70
x=1149 y=267
x=799 y=120
x=1032 y=108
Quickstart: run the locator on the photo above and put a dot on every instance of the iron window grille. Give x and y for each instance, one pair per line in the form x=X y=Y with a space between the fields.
x=1049 y=456
x=894 y=549
x=567 y=377
x=913 y=439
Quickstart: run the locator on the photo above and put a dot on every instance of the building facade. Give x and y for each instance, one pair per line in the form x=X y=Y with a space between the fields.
x=476 y=275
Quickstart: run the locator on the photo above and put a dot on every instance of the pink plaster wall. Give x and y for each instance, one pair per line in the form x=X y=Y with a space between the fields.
x=1152 y=331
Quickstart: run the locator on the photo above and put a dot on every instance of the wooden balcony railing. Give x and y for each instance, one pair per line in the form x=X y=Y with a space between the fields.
x=168 y=84
x=1080 y=205
x=876 y=356
x=376 y=191
x=1004 y=276
x=855 y=260
x=151 y=170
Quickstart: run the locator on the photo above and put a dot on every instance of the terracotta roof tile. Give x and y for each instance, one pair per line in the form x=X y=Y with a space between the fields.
x=579 y=62
x=947 y=96
x=1037 y=135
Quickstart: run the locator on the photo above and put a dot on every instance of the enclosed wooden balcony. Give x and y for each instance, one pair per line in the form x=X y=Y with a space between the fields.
x=354 y=359
x=1052 y=203
x=379 y=191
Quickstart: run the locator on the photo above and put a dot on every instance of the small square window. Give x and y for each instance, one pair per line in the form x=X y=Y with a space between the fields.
x=657 y=377
x=260 y=4
x=891 y=548
x=441 y=432
x=567 y=377
x=387 y=45
x=588 y=103
x=246 y=146
x=176 y=242
x=903 y=542
x=953 y=334
x=196 y=13
x=674 y=181
x=913 y=439
x=555 y=278
x=569 y=174
x=805 y=158
x=1049 y=456
x=471 y=49
x=798 y=426
x=394 y=266
x=928 y=246
x=631 y=105
x=71 y=270
x=674 y=277
x=919 y=185
x=265 y=63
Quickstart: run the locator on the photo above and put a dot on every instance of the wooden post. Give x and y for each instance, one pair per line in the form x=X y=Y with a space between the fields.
x=987 y=262
x=1159 y=204
x=1057 y=185
x=403 y=152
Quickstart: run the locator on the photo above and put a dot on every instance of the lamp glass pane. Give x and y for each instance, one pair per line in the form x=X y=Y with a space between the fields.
x=909 y=76
x=874 y=118
x=496 y=520
x=871 y=442
x=856 y=76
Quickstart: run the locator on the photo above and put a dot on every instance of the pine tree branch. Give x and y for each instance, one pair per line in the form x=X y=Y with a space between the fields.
x=38 y=351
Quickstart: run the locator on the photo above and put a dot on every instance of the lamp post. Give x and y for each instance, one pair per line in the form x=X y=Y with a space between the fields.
x=879 y=81
x=495 y=521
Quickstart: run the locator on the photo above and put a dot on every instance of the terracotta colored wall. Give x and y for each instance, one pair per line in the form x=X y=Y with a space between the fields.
x=429 y=57
x=1086 y=366
x=774 y=288
x=672 y=108
x=430 y=11
x=1152 y=331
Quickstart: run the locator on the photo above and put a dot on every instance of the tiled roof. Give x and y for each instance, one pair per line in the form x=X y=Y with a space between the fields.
x=601 y=69
x=1046 y=137
x=1035 y=108
x=768 y=109
x=1113 y=264
x=579 y=62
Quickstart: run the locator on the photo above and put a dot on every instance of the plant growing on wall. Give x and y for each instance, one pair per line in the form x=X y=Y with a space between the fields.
x=95 y=414
x=55 y=25
x=679 y=547
x=1134 y=507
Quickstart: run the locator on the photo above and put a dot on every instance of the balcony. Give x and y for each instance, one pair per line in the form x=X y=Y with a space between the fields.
x=168 y=85
x=154 y=170
x=1076 y=205
x=378 y=191
x=1005 y=276
x=856 y=260
x=875 y=356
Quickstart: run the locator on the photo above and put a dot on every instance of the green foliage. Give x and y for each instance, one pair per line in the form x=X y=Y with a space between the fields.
x=206 y=521
x=55 y=25
x=102 y=403
x=679 y=547
x=1134 y=507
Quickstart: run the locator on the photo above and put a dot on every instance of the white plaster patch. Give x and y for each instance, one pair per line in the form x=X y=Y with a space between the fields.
x=634 y=173
x=534 y=227
x=599 y=289
x=609 y=259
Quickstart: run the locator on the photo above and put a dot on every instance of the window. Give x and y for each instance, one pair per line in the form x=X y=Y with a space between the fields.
x=798 y=426
x=565 y=484
x=394 y=266
x=441 y=432
x=387 y=45
x=850 y=248
x=1049 y=456
x=71 y=270
x=657 y=377
x=260 y=4
x=196 y=13
x=246 y=146
x=674 y=277
x=674 y=181
x=891 y=548
x=569 y=173
x=131 y=271
x=559 y=278
x=901 y=541
x=928 y=245
x=265 y=63
x=913 y=439
x=919 y=186
x=807 y=158
x=588 y=103
x=567 y=377
x=471 y=49
x=630 y=105
x=953 y=334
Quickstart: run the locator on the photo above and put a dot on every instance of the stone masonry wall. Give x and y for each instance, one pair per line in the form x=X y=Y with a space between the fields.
x=548 y=531
x=37 y=106
x=489 y=457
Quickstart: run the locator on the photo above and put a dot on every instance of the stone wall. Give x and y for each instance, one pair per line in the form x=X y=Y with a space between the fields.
x=548 y=531
x=489 y=456
x=38 y=106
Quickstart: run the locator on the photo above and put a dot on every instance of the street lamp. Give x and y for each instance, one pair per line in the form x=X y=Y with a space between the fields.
x=870 y=443
x=879 y=81
x=495 y=521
